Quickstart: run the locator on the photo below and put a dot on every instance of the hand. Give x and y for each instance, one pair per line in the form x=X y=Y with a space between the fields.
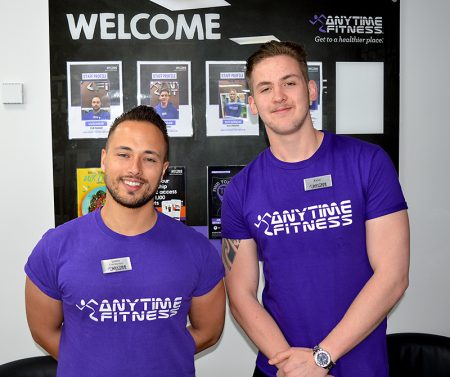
x=297 y=362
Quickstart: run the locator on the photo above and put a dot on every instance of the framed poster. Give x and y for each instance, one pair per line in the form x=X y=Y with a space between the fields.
x=227 y=109
x=94 y=98
x=91 y=190
x=166 y=86
x=315 y=108
x=218 y=179
x=170 y=198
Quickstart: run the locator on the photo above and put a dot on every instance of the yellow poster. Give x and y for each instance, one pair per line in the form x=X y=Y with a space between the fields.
x=91 y=190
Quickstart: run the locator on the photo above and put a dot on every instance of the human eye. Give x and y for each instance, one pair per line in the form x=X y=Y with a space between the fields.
x=264 y=89
x=151 y=159
x=122 y=155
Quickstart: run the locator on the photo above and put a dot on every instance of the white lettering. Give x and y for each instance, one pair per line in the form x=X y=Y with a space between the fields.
x=312 y=218
x=288 y=216
x=170 y=26
x=346 y=207
x=132 y=304
x=105 y=24
x=105 y=306
x=133 y=26
x=301 y=214
x=118 y=305
x=145 y=301
x=121 y=22
x=160 y=26
x=210 y=25
x=321 y=223
x=196 y=25
x=82 y=25
x=276 y=218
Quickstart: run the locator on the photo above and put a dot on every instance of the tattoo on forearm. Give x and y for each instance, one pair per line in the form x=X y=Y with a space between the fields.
x=229 y=250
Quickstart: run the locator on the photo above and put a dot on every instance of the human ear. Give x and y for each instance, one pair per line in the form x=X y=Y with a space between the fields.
x=313 y=91
x=253 y=108
x=103 y=157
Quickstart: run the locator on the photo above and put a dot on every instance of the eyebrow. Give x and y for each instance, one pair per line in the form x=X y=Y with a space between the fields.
x=148 y=151
x=284 y=78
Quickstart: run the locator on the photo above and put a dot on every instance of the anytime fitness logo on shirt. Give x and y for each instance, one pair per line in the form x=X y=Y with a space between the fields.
x=124 y=310
x=308 y=219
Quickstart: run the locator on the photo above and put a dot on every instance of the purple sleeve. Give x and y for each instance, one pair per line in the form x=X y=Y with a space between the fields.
x=211 y=270
x=384 y=194
x=233 y=222
x=41 y=268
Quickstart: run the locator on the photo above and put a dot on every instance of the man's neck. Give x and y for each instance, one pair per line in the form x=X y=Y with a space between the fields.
x=128 y=221
x=296 y=147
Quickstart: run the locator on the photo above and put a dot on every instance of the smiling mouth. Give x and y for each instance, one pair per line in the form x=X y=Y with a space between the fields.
x=132 y=183
x=281 y=110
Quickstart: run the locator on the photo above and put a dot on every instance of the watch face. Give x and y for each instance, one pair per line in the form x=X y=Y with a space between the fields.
x=322 y=359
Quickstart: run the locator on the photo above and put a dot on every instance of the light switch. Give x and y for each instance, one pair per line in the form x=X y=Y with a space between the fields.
x=12 y=92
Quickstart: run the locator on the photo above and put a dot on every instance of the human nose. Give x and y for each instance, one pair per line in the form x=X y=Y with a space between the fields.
x=278 y=94
x=135 y=167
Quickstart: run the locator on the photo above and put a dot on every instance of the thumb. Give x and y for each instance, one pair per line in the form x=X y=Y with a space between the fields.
x=279 y=357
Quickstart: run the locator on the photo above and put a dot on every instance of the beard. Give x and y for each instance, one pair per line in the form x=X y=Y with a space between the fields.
x=135 y=200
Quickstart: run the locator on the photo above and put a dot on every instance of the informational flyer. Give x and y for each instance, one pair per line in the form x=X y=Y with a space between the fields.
x=170 y=198
x=218 y=179
x=94 y=98
x=315 y=109
x=91 y=190
x=227 y=109
x=166 y=86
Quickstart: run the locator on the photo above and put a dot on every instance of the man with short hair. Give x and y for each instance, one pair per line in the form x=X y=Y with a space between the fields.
x=109 y=293
x=326 y=216
x=233 y=107
x=97 y=113
x=165 y=108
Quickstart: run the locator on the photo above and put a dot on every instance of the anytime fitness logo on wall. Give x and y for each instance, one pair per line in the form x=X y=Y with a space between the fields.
x=365 y=25
x=308 y=219
x=126 y=310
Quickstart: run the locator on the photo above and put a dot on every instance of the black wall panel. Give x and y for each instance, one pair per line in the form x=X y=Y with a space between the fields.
x=287 y=20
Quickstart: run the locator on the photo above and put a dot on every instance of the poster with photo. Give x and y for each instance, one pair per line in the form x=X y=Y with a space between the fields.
x=94 y=98
x=91 y=190
x=170 y=198
x=166 y=86
x=315 y=73
x=218 y=179
x=227 y=109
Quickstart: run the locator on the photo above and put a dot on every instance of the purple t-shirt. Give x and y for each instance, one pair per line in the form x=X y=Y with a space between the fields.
x=128 y=323
x=312 y=241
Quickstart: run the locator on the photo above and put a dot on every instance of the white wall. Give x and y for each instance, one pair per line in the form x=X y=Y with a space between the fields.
x=26 y=185
x=26 y=188
x=424 y=163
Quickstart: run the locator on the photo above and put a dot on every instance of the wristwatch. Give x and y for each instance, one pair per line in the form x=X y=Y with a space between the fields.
x=322 y=358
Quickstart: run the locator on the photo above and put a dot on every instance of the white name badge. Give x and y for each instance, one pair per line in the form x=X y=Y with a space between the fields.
x=317 y=183
x=116 y=265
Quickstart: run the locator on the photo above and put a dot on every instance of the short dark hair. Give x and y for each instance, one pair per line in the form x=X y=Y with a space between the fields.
x=277 y=48
x=145 y=114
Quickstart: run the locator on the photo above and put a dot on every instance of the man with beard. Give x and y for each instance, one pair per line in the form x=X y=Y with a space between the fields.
x=96 y=113
x=108 y=294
